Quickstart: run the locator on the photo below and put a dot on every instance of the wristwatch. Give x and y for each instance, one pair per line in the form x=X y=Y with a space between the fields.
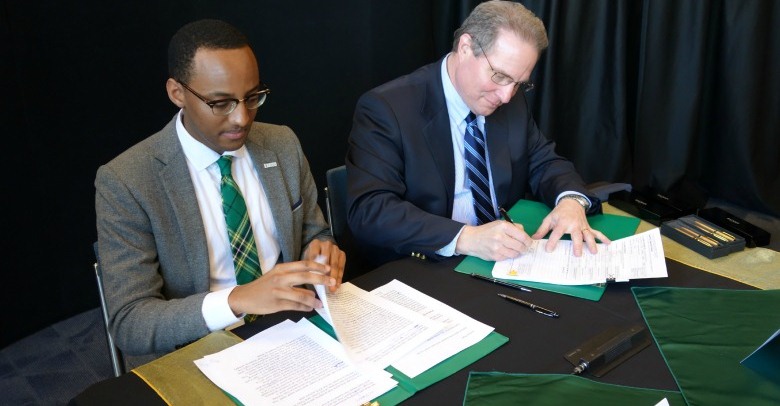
x=577 y=198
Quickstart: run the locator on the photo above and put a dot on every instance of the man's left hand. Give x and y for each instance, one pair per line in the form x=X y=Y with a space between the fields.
x=568 y=217
x=335 y=257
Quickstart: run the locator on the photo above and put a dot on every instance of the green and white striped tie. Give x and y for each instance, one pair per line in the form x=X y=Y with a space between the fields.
x=242 y=239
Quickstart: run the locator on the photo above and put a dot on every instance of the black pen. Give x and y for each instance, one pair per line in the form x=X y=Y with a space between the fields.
x=538 y=309
x=500 y=282
x=505 y=215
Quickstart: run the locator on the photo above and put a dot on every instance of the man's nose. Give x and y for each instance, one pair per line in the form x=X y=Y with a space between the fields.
x=241 y=115
x=505 y=93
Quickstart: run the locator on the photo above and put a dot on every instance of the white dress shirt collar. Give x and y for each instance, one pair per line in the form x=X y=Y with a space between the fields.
x=199 y=155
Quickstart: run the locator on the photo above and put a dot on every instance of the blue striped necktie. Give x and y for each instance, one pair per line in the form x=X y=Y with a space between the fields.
x=477 y=171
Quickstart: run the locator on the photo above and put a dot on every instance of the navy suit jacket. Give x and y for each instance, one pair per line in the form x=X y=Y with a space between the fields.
x=401 y=168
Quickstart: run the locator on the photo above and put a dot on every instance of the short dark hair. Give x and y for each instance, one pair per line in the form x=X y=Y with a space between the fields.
x=488 y=18
x=210 y=34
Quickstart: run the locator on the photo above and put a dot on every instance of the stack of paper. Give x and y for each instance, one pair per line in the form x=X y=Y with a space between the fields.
x=636 y=257
x=296 y=363
x=292 y=364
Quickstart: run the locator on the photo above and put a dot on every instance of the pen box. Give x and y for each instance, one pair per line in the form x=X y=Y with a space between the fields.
x=702 y=236
x=683 y=207
x=754 y=236
x=643 y=206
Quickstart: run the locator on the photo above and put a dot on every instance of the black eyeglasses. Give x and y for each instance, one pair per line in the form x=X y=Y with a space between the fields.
x=224 y=107
x=502 y=79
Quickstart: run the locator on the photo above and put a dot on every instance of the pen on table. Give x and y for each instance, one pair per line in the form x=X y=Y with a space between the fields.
x=500 y=282
x=539 y=309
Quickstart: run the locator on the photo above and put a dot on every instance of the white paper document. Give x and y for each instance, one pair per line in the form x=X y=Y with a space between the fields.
x=299 y=364
x=322 y=294
x=293 y=364
x=459 y=333
x=374 y=331
x=636 y=257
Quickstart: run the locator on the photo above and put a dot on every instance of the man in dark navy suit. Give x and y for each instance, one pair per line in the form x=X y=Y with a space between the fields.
x=433 y=155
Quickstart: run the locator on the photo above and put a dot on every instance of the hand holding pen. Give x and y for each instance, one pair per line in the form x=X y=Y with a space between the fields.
x=493 y=241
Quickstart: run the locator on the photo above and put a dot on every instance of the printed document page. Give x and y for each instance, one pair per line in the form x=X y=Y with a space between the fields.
x=374 y=331
x=636 y=257
x=293 y=364
x=460 y=333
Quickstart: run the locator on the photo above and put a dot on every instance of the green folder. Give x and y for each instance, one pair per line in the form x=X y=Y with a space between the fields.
x=497 y=389
x=704 y=333
x=531 y=214
x=409 y=386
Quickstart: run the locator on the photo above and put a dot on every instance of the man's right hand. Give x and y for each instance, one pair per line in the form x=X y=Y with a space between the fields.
x=494 y=241
x=279 y=289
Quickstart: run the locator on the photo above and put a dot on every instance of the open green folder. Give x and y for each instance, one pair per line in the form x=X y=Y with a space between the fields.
x=409 y=386
x=496 y=389
x=704 y=333
x=530 y=214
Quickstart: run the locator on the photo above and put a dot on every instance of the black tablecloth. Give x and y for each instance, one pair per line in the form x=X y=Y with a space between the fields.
x=536 y=344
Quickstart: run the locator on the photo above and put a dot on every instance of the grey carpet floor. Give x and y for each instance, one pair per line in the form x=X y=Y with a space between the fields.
x=55 y=364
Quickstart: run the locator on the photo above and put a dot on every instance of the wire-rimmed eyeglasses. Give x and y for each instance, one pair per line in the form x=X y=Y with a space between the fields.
x=502 y=79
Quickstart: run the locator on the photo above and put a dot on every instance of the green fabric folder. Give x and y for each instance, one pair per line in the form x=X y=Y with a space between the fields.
x=704 y=333
x=409 y=386
x=497 y=389
x=531 y=214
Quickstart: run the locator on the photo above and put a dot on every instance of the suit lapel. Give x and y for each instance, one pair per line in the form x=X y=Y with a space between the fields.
x=437 y=132
x=497 y=133
x=180 y=191
x=270 y=171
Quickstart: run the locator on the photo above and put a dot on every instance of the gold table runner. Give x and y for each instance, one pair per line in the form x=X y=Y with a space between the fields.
x=178 y=381
x=759 y=267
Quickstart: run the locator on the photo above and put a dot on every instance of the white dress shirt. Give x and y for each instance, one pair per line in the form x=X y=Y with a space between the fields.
x=463 y=206
x=206 y=177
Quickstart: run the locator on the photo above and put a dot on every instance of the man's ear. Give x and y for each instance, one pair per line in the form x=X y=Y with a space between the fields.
x=464 y=44
x=175 y=92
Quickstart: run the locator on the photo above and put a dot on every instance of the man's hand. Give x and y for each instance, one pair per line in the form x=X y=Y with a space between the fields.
x=334 y=256
x=494 y=241
x=568 y=217
x=278 y=290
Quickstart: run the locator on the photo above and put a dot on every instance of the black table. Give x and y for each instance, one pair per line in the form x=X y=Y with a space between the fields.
x=536 y=343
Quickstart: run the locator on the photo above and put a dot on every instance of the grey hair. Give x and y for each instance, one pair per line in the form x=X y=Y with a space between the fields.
x=488 y=18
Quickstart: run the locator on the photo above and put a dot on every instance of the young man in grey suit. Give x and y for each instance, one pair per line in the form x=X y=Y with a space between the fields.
x=433 y=155
x=168 y=255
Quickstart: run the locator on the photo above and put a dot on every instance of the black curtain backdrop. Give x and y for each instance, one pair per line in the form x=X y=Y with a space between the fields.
x=655 y=93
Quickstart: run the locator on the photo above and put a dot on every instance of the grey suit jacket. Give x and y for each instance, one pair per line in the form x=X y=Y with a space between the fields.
x=151 y=240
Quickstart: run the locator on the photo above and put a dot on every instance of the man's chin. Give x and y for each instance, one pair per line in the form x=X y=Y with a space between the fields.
x=486 y=111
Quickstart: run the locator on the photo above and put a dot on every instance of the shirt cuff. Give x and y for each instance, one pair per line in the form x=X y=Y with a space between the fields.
x=216 y=310
x=449 y=249
x=571 y=192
